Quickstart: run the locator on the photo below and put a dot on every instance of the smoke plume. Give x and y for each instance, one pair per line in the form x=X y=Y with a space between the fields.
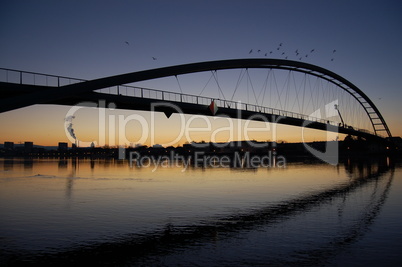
x=70 y=129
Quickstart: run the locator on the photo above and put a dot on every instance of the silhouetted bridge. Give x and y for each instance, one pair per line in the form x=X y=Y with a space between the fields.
x=21 y=89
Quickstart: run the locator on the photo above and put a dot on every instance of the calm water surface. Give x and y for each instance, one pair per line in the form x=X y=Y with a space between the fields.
x=108 y=213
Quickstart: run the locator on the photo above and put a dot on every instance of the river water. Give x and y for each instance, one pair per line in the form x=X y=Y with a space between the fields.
x=106 y=212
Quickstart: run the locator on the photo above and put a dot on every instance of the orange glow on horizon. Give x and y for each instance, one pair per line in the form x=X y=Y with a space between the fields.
x=45 y=125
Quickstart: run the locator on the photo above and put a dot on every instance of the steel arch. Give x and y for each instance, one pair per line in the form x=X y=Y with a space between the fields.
x=56 y=93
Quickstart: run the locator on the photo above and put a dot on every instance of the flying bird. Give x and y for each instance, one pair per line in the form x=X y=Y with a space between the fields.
x=127 y=43
x=280 y=44
x=251 y=51
x=312 y=50
x=258 y=51
x=283 y=53
x=334 y=51
x=266 y=54
x=154 y=58
x=332 y=59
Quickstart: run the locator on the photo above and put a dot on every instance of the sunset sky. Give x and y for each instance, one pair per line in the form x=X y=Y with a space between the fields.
x=94 y=39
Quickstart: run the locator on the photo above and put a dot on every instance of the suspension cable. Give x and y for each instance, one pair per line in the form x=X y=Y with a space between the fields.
x=177 y=79
x=265 y=85
x=210 y=77
x=241 y=75
x=252 y=87
x=216 y=79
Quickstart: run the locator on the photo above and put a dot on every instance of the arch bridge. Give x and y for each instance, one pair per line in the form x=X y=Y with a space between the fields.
x=281 y=91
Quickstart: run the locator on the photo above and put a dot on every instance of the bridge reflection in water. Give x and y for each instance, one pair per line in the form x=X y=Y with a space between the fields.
x=310 y=228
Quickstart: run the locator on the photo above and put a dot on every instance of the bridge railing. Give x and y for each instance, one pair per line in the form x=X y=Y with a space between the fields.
x=141 y=92
x=34 y=78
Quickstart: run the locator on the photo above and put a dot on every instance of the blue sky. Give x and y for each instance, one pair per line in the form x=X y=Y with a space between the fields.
x=87 y=39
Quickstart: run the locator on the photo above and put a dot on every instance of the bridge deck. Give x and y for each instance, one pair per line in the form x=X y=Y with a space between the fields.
x=169 y=107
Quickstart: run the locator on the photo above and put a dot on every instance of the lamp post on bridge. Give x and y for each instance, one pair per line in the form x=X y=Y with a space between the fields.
x=337 y=108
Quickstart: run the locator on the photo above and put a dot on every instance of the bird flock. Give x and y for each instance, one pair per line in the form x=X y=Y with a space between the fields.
x=298 y=54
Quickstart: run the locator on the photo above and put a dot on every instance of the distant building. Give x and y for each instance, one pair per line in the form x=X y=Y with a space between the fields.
x=28 y=147
x=9 y=145
x=63 y=146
